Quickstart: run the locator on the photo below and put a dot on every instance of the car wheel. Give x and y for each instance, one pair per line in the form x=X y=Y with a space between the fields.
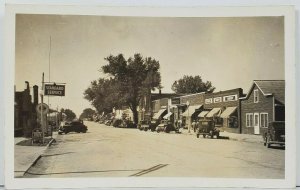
x=218 y=135
x=204 y=135
x=167 y=130
x=197 y=135
x=268 y=142
x=211 y=134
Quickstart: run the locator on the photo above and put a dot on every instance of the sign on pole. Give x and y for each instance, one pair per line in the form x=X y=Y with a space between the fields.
x=54 y=90
x=42 y=109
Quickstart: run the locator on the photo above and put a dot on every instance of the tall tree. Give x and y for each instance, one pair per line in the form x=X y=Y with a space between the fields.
x=70 y=115
x=87 y=113
x=192 y=84
x=130 y=80
x=103 y=95
x=134 y=77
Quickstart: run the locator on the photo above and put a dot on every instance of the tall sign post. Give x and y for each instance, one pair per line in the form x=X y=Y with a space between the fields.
x=54 y=89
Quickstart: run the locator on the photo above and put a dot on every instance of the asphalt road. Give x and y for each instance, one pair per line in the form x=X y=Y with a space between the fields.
x=105 y=151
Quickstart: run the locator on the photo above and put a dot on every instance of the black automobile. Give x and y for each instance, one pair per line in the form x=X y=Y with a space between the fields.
x=207 y=128
x=144 y=125
x=274 y=134
x=73 y=126
x=166 y=126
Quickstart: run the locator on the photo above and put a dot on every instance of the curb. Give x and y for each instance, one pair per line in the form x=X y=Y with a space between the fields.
x=40 y=156
x=50 y=142
x=33 y=163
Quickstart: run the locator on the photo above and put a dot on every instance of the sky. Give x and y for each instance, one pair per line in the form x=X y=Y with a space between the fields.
x=229 y=52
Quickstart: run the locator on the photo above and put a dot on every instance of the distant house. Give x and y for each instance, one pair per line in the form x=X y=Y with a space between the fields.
x=264 y=103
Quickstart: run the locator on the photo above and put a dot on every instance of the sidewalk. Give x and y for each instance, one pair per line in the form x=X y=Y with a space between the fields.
x=26 y=155
x=234 y=136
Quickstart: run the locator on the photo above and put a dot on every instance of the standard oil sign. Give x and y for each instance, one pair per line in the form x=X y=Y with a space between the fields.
x=54 y=90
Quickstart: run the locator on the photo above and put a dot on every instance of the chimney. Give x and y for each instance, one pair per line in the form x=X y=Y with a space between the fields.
x=35 y=95
x=27 y=85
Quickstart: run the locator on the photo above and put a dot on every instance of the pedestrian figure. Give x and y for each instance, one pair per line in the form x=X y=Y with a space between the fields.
x=193 y=125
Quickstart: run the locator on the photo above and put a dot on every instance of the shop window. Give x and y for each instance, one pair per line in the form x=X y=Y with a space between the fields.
x=233 y=122
x=256 y=96
x=218 y=121
x=249 y=119
x=264 y=120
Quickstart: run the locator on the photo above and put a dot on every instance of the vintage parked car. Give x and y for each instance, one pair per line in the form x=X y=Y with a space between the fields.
x=117 y=122
x=73 y=126
x=274 y=134
x=165 y=126
x=153 y=124
x=144 y=125
x=129 y=124
x=207 y=128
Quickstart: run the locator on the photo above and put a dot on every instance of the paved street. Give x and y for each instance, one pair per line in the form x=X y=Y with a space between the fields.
x=116 y=152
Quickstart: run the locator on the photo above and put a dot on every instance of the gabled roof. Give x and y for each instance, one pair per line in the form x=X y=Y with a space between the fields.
x=274 y=88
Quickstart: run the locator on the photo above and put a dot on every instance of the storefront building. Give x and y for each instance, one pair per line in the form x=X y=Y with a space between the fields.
x=190 y=106
x=25 y=117
x=151 y=103
x=264 y=103
x=159 y=108
x=224 y=108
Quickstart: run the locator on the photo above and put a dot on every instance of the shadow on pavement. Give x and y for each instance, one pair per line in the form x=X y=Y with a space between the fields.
x=28 y=142
x=223 y=137
x=99 y=171
x=277 y=147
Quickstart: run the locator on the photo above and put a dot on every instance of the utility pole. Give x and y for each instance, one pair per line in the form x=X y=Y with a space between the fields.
x=42 y=115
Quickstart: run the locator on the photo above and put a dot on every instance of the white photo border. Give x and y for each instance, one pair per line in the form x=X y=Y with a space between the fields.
x=290 y=68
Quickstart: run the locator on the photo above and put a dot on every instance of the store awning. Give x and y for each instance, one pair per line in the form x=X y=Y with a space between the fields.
x=213 y=112
x=228 y=112
x=191 y=110
x=168 y=115
x=203 y=114
x=159 y=113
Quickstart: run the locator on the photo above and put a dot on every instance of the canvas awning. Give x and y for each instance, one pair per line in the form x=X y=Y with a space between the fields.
x=228 y=111
x=213 y=112
x=159 y=113
x=168 y=115
x=191 y=110
x=203 y=114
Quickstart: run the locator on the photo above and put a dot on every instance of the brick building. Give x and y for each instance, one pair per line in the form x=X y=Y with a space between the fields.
x=190 y=106
x=25 y=117
x=265 y=102
x=225 y=108
x=151 y=103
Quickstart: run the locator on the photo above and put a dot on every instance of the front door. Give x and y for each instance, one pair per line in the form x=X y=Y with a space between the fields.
x=256 y=123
